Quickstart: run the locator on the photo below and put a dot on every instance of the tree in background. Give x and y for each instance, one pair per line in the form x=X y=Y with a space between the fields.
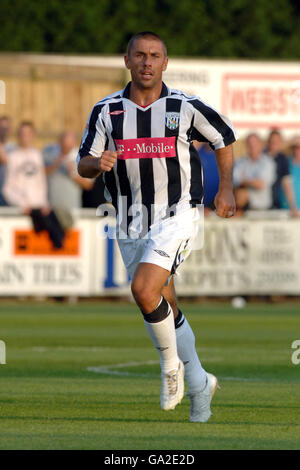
x=207 y=28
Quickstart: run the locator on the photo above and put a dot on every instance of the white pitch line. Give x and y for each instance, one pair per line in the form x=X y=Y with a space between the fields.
x=108 y=369
x=70 y=348
x=242 y=379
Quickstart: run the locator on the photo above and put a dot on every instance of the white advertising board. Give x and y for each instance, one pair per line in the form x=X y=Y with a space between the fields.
x=29 y=265
x=244 y=257
x=254 y=95
x=239 y=257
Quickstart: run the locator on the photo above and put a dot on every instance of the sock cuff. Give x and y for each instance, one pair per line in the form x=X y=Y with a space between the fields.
x=159 y=314
x=179 y=320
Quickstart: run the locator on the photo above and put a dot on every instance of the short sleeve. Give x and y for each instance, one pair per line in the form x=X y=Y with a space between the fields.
x=94 y=137
x=211 y=126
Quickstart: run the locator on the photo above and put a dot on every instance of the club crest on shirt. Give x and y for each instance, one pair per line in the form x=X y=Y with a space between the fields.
x=172 y=120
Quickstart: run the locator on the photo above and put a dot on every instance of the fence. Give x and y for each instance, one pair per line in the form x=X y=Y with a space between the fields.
x=254 y=255
x=57 y=92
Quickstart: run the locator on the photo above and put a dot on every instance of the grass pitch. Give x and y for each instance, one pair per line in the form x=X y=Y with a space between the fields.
x=87 y=377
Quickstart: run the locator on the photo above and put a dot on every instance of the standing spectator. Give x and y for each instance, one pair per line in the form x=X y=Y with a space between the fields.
x=210 y=172
x=283 y=182
x=294 y=167
x=95 y=196
x=61 y=170
x=5 y=147
x=25 y=185
x=254 y=176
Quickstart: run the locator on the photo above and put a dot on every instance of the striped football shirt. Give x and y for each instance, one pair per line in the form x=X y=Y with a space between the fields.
x=159 y=171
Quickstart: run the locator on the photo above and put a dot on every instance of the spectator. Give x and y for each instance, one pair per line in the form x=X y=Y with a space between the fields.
x=5 y=147
x=253 y=177
x=25 y=185
x=294 y=167
x=210 y=174
x=95 y=196
x=61 y=173
x=283 y=180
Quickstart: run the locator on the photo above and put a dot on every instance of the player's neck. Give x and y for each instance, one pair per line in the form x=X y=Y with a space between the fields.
x=144 y=96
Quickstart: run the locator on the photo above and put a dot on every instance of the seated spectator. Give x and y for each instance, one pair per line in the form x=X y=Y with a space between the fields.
x=283 y=180
x=25 y=185
x=64 y=184
x=294 y=167
x=5 y=147
x=253 y=177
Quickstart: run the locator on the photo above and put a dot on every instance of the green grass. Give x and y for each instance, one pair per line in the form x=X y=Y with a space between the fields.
x=49 y=400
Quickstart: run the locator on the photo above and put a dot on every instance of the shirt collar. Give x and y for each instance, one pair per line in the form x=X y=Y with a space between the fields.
x=164 y=91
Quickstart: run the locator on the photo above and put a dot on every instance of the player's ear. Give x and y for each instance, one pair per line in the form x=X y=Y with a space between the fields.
x=126 y=60
x=165 y=64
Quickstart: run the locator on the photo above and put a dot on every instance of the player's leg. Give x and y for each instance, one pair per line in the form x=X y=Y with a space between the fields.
x=146 y=287
x=185 y=339
x=202 y=385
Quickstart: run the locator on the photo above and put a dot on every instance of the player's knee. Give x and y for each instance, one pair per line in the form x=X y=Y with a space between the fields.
x=142 y=292
x=139 y=291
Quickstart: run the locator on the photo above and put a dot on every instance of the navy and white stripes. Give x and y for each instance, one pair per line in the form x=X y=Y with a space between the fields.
x=159 y=168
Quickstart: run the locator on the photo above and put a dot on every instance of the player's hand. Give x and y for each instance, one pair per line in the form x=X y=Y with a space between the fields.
x=108 y=159
x=225 y=203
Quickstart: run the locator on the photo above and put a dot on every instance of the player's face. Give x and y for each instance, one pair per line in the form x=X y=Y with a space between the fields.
x=254 y=145
x=146 y=62
x=26 y=136
x=275 y=143
x=67 y=142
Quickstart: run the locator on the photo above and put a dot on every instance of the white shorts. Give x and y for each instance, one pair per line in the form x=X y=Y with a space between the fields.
x=168 y=244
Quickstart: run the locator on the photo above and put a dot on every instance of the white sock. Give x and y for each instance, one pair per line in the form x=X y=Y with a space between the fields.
x=163 y=336
x=194 y=373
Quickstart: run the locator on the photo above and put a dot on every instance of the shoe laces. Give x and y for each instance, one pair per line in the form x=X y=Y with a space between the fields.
x=172 y=382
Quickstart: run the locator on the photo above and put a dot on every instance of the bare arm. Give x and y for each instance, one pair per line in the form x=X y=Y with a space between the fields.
x=224 y=200
x=91 y=167
x=84 y=183
x=56 y=164
x=287 y=186
x=256 y=183
x=3 y=158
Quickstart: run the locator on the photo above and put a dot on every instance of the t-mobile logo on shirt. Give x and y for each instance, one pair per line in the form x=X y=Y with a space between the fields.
x=147 y=147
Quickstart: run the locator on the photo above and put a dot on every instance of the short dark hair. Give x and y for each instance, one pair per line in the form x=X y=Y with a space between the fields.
x=253 y=134
x=274 y=132
x=144 y=34
x=4 y=117
x=27 y=124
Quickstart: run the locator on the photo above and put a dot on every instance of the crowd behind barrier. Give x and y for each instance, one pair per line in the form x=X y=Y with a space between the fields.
x=257 y=254
x=44 y=183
